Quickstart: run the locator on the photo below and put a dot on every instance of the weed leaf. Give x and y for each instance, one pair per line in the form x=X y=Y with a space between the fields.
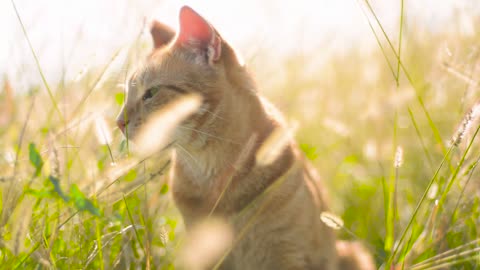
x=309 y=151
x=39 y=193
x=120 y=98
x=164 y=189
x=81 y=202
x=35 y=158
x=57 y=189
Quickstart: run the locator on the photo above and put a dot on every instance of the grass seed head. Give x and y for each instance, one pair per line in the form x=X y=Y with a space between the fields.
x=159 y=128
x=464 y=128
x=398 y=157
x=102 y=131
x=272 y=147
x=331 y=220
x=207 y=242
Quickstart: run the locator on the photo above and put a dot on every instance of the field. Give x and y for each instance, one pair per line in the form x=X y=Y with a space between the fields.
x=392 y=130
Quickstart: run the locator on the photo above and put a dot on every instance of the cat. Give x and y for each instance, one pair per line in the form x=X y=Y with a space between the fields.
x=274 y=208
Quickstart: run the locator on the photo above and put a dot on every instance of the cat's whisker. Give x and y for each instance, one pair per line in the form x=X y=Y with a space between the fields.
x=214 y=114
x=155 y=133
x=208 y=134
x=179 y=147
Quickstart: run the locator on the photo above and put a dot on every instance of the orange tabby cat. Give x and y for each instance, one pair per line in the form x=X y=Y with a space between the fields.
x=273 y=207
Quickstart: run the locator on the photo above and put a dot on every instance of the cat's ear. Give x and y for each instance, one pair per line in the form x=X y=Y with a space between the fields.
x=161 y=34
x=195 y=32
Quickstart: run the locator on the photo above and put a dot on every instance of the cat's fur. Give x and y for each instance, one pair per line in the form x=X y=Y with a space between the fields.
x=275 y=208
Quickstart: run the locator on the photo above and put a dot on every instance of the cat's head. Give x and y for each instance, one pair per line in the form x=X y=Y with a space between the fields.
x=196 y=60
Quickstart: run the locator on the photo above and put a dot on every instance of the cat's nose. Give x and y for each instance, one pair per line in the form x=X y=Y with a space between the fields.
x=121 y=123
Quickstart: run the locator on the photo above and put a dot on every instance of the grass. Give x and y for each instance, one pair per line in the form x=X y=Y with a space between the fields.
x=72 y=199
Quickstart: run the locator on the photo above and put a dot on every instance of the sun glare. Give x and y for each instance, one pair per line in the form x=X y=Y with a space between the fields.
x=86 y=32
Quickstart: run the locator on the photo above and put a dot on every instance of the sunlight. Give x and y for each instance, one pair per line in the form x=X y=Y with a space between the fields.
x=372 y=89
x=86 y=32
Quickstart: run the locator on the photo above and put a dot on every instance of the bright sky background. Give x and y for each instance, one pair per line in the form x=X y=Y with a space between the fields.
x=71 y=35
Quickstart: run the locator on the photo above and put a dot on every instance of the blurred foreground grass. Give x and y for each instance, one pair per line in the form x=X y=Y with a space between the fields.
x=398 y=153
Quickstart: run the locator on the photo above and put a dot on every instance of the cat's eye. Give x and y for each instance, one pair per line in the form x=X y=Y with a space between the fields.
x=150 y=92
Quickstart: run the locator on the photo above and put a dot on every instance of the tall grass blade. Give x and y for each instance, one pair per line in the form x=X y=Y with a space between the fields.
x=434 y=128
x=443 y=263
x=417 y=207
x=457 y=170
x=448 y=254
x=39 y=67
x=137 y=235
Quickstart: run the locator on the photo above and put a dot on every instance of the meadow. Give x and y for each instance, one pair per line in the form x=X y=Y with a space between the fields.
x=392 y=130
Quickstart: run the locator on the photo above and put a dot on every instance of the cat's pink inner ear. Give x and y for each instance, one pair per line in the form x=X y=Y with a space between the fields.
x=161 y=34
x=194 y=28
x=197 y=32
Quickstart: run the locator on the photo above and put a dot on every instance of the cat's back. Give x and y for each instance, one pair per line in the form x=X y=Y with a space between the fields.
x=285 y=220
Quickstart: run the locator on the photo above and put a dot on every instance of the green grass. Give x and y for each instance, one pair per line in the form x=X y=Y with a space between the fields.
x=67 y=201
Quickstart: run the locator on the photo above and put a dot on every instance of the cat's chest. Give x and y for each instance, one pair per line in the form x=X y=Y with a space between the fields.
x=197 y=193
x=196 y=168
x=193 y=184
